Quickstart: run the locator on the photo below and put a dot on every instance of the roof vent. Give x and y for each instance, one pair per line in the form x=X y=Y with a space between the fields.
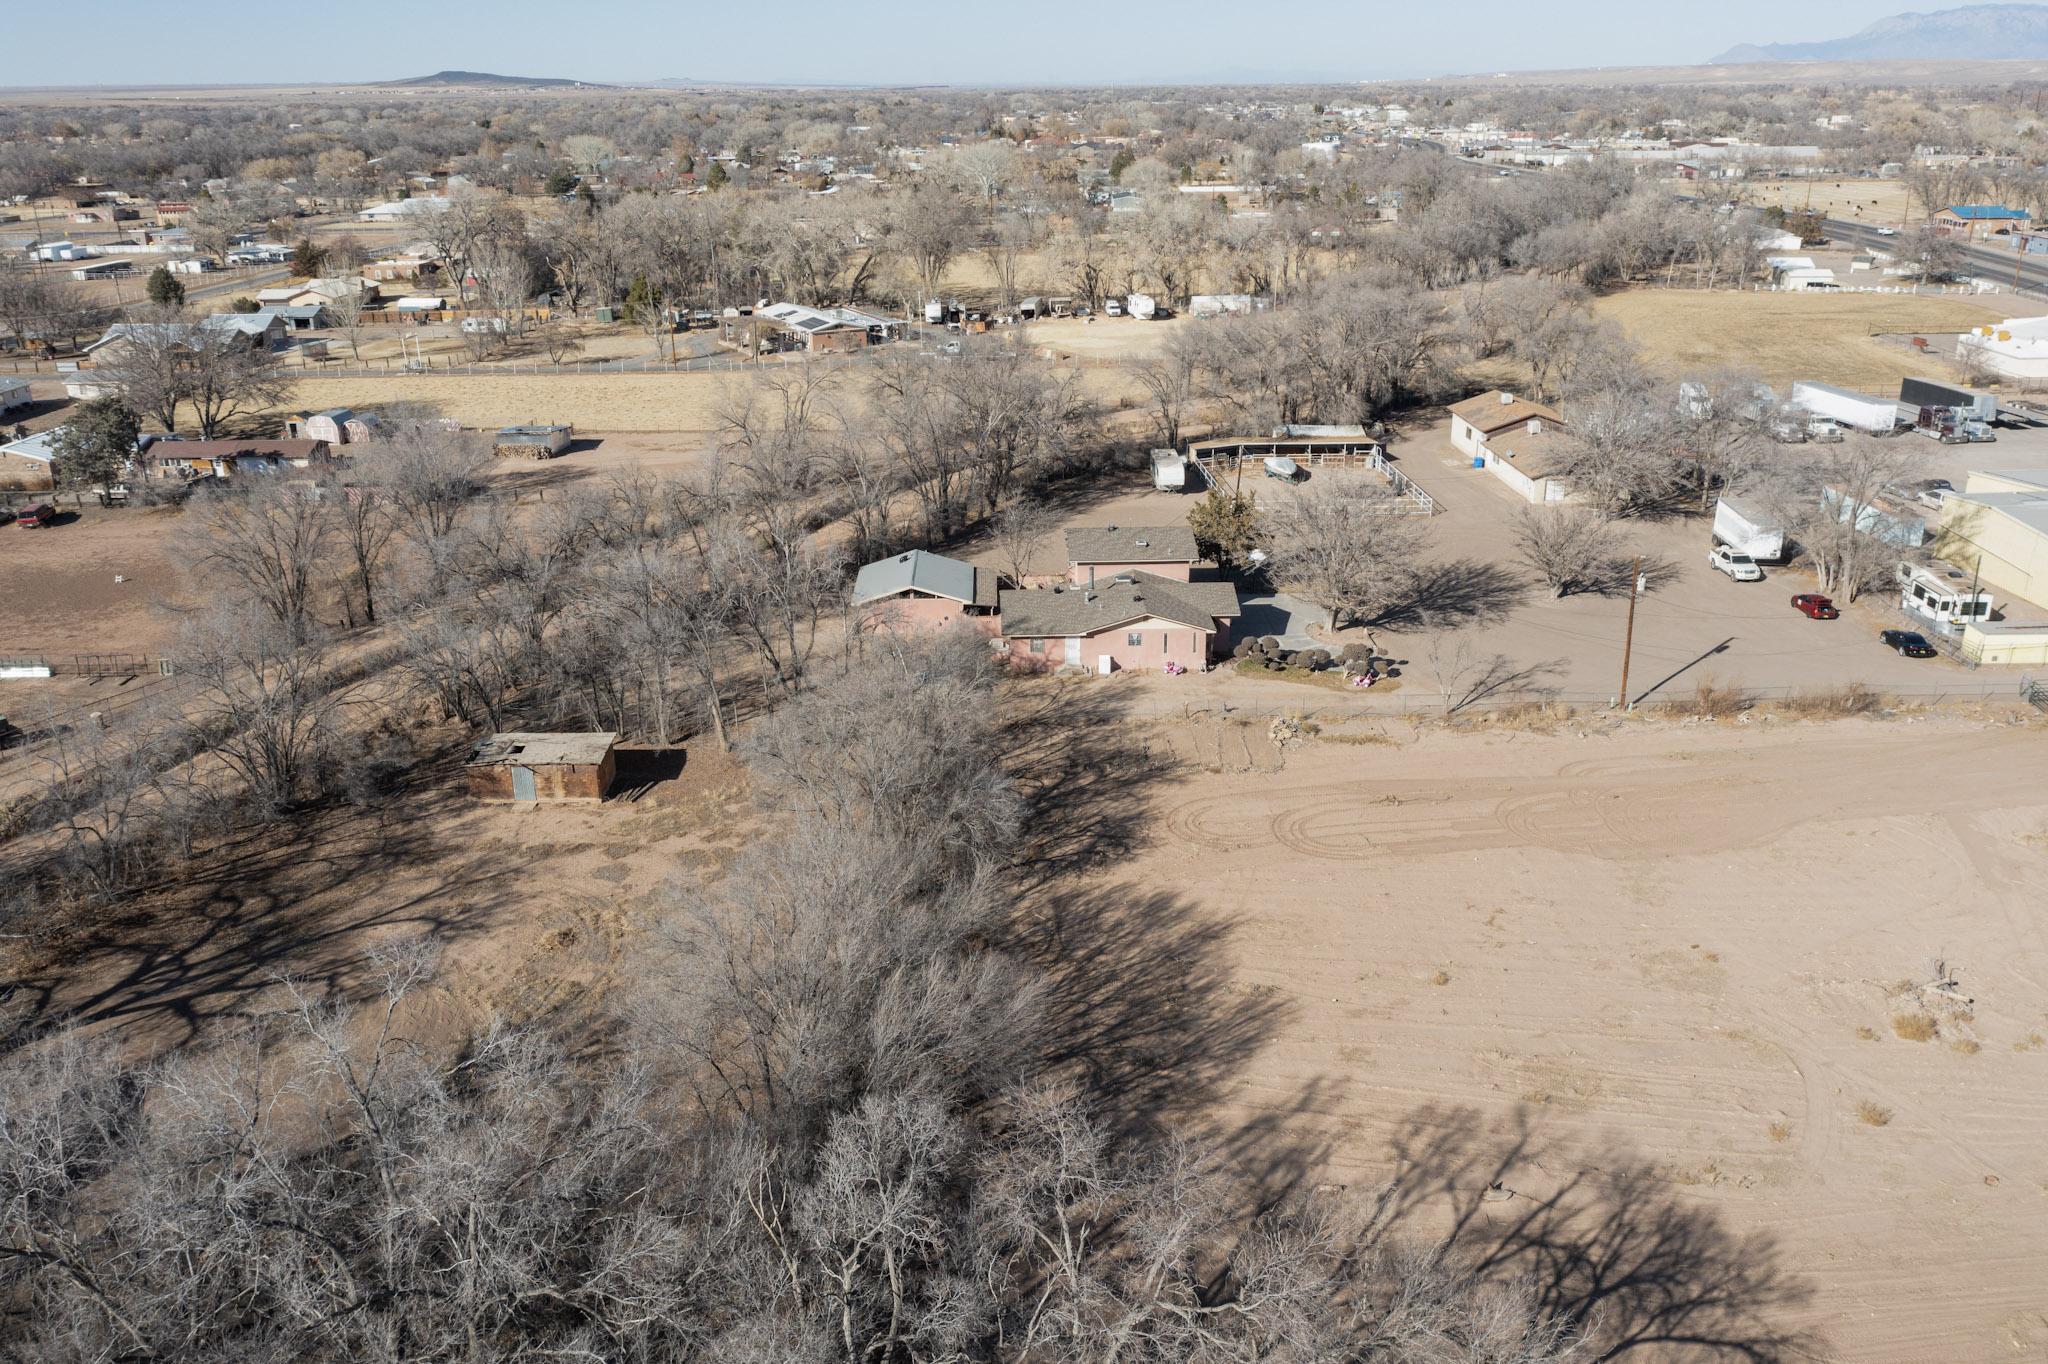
x=904 y=560
x=1112 y=527
x=1144 y=543
x=1088 y=596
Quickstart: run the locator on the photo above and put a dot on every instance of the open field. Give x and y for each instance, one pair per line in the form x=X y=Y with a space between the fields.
x=1643 y=977
x=598 y=402
x=1784 y=337
x=1871 y=201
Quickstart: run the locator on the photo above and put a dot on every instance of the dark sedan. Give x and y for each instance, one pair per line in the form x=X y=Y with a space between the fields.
x=1911 y=643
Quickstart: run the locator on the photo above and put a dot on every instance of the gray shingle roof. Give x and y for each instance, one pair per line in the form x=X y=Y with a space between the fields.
x=915 y=571
x=1131 y=545
x=1061 y=611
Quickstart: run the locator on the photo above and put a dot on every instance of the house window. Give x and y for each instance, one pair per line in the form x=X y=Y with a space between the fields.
x=1136 y=639
x=1036 y=646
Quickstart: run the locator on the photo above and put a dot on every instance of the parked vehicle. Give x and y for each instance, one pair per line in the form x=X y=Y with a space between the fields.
x=1735 y=564
x=36 y=516
x=1142 y=306
x=1814 y=606
x=1281 y=467
x=1877 y=415
x=1744 y=527
x=1887 y=232
x=1908 y=643
x=1967 y=403
x=1169 y=470
x=1821 y=431
x=1112 y=308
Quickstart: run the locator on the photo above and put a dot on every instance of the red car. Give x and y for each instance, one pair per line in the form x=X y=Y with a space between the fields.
x=35 y=516
x=1813 y=605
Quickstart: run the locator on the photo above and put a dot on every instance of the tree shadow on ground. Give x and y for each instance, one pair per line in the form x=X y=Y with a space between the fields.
x=1086 y=782
x=1456 y=592
x=1613 y=577
x=301 y=898
x=1603 y=1238
x=1145 y=1013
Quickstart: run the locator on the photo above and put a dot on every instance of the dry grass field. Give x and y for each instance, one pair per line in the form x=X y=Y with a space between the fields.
x=1870 y=201
x=591 y=402
x=1831 y=337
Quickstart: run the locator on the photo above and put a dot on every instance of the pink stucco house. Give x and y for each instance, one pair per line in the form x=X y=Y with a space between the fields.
x=917 y=590
x=1131 y=619
x=1133 y=598
x=1096 y=552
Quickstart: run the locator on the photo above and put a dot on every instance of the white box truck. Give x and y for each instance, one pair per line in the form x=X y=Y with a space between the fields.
x=1742 y=526
x=1169 y=471
x=1879 y=416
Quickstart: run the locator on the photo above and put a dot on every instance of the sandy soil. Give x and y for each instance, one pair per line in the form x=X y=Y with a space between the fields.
x=1830 y=337
x=1644 y=979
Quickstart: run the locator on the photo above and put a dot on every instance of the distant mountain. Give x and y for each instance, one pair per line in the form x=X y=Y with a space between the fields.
x=488 y=78
x=1974 y=31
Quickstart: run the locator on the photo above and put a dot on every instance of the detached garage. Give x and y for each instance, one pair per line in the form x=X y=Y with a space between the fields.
x=535 y=767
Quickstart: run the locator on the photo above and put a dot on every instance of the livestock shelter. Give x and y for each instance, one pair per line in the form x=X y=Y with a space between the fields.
x=535 y=767
x=534 y=441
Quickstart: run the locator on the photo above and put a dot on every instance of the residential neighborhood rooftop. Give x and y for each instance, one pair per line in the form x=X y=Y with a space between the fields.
x=1497 y=409
x=921 y=571
x=1131 y=545
x=1129 y=596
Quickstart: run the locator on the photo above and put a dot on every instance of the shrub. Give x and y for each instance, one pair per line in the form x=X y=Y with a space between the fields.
x=1314 y=659
x=1853 y=699
x=1873 y=1115
x=1356 y=653
x=1244 y=647
x=1712 y=701
x=1270 y=644
x=374 y=776
x=1915 y=1027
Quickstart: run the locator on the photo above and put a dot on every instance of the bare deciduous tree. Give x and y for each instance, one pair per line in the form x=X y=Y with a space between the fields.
x=1351 y=550
x=1572 y=549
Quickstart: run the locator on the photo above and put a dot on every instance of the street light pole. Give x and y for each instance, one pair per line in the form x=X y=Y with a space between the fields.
x=1628 y=639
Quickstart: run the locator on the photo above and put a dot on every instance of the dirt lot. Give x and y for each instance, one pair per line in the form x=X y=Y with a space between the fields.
x=61 y=597
x=1644 y=980
x=1830 y=337
x=596 y=402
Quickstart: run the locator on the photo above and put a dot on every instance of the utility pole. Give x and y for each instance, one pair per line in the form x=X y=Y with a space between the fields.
x=1628 y=639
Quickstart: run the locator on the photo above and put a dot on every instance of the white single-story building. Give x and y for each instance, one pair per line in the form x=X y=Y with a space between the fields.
x=398 y=210
x=2016 y=348
x=1514 y=439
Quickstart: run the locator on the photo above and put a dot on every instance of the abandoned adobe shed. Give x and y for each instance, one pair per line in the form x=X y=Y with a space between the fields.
x=534 y=767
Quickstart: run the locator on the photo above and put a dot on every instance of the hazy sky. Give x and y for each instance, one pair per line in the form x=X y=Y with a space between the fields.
x=959 y=42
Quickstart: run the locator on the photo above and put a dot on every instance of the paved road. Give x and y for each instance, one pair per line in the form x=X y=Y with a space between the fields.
x=1995 y=263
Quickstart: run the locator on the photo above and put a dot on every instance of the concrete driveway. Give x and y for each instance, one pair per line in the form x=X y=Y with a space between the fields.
x=1276 y=613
